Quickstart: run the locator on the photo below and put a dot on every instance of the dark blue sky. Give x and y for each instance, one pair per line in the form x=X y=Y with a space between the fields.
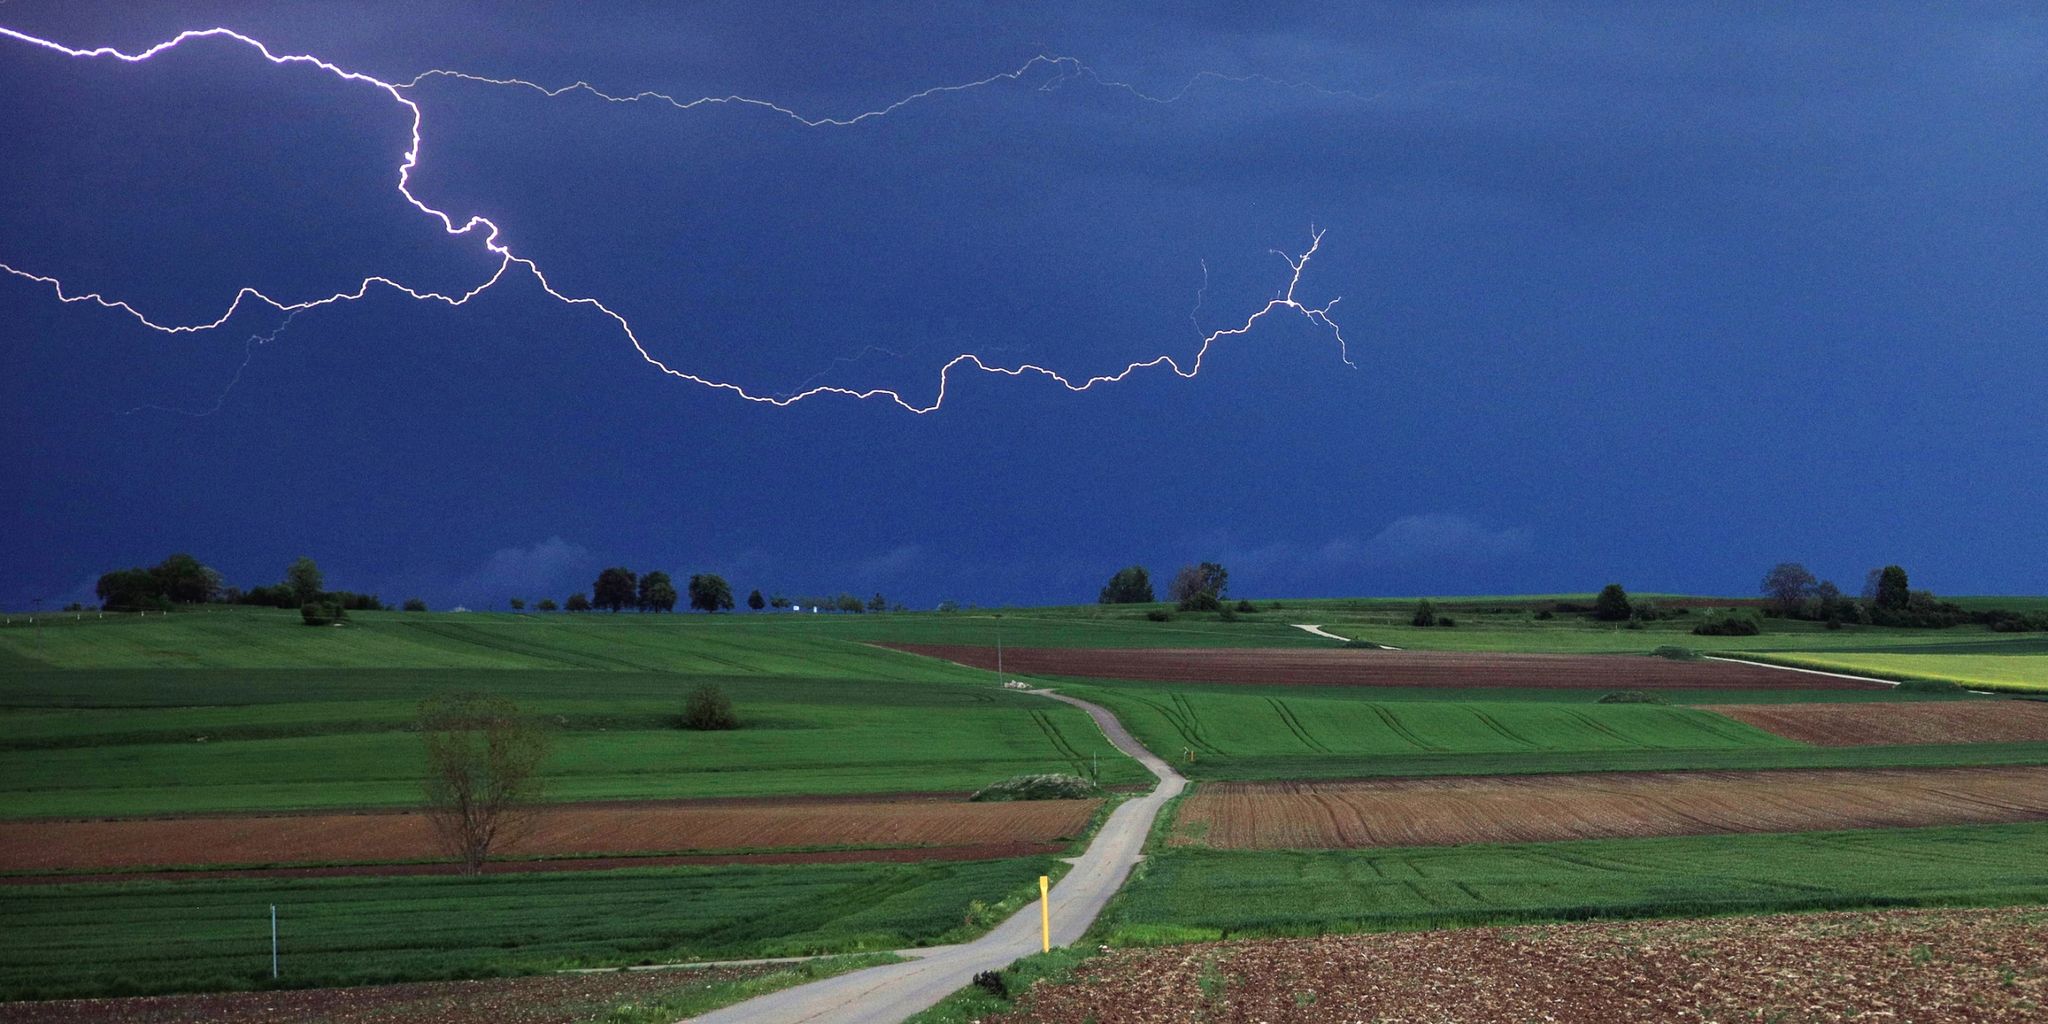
x=1640 y=295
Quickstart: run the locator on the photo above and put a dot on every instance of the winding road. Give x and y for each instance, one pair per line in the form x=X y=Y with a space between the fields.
x=888 y=994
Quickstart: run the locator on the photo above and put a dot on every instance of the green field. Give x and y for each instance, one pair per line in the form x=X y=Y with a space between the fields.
x=124 y=742
x=1266 y=733
x=206 y=935
x=1195 y=895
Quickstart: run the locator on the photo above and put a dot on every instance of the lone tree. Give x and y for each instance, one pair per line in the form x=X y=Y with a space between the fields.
x=1892 y=591
x=756 y=601
x=518 y=604
x=1425 y=614
x=1612 y=604
x=305 y=580
x=1789 y=585
x=577 y=603
x=547 y=604
x=1129 y=586
x=1199 y=587
x=657 y=592
x=710 y=592
x=483 y=772
x=615 y=589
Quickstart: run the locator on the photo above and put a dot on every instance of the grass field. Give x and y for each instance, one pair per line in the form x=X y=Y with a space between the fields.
x=1193 y=895
x=1268 y=733
x=195 y=936
x=94 y=743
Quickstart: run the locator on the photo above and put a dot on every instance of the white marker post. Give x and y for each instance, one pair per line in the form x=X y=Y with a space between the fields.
x=273 y=942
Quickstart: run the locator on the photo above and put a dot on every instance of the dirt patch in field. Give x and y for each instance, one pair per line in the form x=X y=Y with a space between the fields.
x=548 y=999
x=1929 y=967
x=570 y=831
x=1881 y=723
x=1542 y=808
x=1348 y=667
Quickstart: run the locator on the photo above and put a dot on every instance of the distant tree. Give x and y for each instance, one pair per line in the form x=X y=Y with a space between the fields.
x=1129 y=586
x=1612 y=604
x=127 y=589
x=878 y=603
x=1425 y=614
x=1789 y=585
x=414 y=604
x=657 y=593
x=709 y=709
x=1892 y=591
x=778 y=601
x=483 y=772
x=305 y=580
x=547 y=604
x=756 y=601
x=710 y=592
x=322 y=613
x=1870 y=580
x=518 y=604
x=848 y=603
x=615 y=589
x=1828 y=604
x=1193 y=581
x=182 y=579
x=577 y=603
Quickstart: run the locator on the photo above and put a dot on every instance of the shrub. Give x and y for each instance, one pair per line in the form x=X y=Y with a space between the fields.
x=1728 y=624
x=1036 y=787
x=1546 y=615
x=709 y=709
x=321 y=613
x=1246 y=607
x=1200 y=601
x=1159 y=615
x=1446 y=621
x=1676 y=653
x=414 y=604
x=1425 y=614
x=1931 y=686
x=1631 y=697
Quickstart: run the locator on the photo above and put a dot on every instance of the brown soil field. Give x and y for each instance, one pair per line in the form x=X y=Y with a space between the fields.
x=1927 y=967
x=1542 y=808
x=547 y=999
x=1347 y=667
x=1855 y=725
x=569 y=830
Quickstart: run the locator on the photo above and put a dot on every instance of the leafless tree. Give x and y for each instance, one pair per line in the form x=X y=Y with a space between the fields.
x=483 y=772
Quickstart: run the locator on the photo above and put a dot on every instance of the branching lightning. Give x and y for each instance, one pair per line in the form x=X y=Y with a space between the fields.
x=1063 y=69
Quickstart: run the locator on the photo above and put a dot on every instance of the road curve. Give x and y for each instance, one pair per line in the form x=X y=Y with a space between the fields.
x=887 y=994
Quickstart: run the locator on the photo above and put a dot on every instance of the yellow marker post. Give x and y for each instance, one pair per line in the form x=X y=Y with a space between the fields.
x=1045 y=913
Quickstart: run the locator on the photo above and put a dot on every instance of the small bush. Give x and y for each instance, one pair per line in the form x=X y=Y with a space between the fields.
x=1200 y=601
x=1546 y=615
x=1730 y=624
x=1037 y=787
x=709 y=709
x=1446 y=621
x=1159 y=615
x=1930 y=686
x=1631 y=697
x=414 y=604
x=1676 y=653
x=321 y=613
x=1246 y=607
x=1425 y=614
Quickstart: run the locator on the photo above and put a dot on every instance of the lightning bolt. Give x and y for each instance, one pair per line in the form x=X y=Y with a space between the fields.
x=1063 y=69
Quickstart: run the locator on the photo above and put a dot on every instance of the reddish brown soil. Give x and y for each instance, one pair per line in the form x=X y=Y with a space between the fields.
x=1855 y=725
x=548 y=999
x=1348 y=667
x=1541 y=808
x=582 y=830
x=1927 y=967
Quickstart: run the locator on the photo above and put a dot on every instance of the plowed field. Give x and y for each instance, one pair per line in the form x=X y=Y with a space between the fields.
x=1345 y=667
x=1928 y=967
x=1854 y=725
x=1542 y=808
x=564 y=831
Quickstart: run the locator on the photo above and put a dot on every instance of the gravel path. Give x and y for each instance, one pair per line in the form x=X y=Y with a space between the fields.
x=886 y=995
